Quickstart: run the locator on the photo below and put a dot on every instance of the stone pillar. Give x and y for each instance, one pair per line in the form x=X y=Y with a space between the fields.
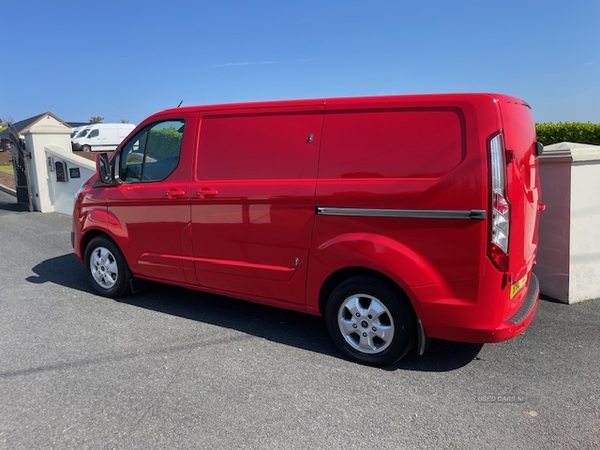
x=37 y=138
x=568 y=262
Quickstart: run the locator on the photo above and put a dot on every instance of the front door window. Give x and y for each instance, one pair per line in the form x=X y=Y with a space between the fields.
x=153 y=154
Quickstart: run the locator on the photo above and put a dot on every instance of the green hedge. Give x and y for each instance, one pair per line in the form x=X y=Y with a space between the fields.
x=164 y=143
x=582 y=132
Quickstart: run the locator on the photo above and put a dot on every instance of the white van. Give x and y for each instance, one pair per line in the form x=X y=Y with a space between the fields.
x=76 y=130
x=101 y=136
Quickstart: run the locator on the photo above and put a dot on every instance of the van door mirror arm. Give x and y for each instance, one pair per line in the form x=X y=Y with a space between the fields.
x=115 y=165
x=106 y=169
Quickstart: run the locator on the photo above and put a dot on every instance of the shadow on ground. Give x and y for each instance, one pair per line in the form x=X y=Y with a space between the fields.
x=286 y=327
x=64 y=270
x=13 y=207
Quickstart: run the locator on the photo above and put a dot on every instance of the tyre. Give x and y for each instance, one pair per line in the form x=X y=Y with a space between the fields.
x=106 y=268
x=86 y=148
x=370 y=321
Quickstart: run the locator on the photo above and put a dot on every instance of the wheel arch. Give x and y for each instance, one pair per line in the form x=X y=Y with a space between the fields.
x=339 y=276
x=353 y=254
x=91 y=234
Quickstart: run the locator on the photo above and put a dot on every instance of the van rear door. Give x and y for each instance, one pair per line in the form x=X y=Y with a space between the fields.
x=523 y=188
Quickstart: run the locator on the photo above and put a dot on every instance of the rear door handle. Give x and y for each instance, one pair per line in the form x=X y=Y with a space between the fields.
x=174 y=193
x=206 y=192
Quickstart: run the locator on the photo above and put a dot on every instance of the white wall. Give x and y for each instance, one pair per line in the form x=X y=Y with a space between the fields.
x=46 y=132
x=50 y=138
x=552 y=267
x=585 y=231
x=62 y=194
x=568 y=262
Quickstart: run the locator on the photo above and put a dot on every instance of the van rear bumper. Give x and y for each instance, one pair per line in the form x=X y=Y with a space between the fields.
x=529 y=303
x=507 y=330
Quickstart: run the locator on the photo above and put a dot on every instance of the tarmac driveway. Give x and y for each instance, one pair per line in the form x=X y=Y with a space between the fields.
x=171 y=368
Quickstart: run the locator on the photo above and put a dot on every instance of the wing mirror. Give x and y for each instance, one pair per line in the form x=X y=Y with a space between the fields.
x=539 y=148
x=104 y=169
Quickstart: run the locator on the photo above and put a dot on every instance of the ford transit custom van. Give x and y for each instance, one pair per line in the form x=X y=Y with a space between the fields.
x=397 y=218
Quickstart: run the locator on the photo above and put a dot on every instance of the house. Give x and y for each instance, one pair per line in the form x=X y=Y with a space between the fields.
x=24 y=125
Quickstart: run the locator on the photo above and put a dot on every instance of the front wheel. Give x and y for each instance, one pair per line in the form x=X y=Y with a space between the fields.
x=86 y=148
x=106 y=268
x=370 y=321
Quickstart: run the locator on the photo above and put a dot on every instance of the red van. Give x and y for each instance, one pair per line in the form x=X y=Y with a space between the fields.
x=399 y=218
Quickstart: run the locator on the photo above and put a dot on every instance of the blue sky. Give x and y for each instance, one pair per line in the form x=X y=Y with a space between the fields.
x=128 y=59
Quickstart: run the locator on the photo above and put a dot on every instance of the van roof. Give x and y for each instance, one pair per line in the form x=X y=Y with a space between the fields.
x=110 y=123
x=405 y=100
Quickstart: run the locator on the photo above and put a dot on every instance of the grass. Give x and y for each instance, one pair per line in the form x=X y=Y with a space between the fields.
x=7 y=169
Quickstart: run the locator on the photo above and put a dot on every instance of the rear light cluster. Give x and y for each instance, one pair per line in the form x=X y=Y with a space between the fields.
x=500 y=226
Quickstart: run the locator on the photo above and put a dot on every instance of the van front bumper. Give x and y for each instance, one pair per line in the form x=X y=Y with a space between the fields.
x=75 y=146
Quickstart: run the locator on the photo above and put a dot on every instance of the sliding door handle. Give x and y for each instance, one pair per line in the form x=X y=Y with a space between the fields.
x=206 y=192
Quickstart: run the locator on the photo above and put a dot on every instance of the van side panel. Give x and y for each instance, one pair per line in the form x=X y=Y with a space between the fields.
x=414 y=163
x=393 y=143
x=425 y=209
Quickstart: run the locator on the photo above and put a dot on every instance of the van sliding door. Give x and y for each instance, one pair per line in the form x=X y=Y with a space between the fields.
x=253 y=203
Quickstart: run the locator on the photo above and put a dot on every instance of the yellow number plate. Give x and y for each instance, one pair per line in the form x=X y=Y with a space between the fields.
x=515 y=288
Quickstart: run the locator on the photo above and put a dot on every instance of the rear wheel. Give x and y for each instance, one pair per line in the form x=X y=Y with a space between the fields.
x=106 y=268
x=370 y=321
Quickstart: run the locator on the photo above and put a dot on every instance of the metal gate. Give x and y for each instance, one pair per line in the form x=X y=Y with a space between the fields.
x=21 y=169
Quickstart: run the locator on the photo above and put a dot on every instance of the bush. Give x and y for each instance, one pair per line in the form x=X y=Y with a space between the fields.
x=581 y=132
x=165 y=143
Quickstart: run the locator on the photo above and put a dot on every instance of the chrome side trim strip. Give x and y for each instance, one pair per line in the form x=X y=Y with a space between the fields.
x=473 y=214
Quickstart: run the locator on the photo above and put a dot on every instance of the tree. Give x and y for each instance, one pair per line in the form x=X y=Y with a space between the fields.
x=9 y=121
x=96 y=119
x=124 y=121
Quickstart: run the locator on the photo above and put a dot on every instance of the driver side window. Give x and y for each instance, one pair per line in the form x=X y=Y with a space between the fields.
x=153 y=153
